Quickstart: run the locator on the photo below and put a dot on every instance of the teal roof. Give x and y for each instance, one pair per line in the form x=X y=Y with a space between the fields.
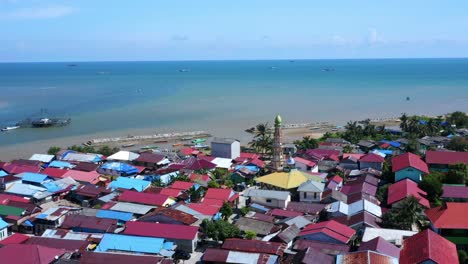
x=60 y=164
x=136 y=244
x=109 y=214
x=3 y=224
x=34 y=177
x=129 y=183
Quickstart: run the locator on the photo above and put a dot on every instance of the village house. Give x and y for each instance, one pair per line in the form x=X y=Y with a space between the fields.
x=409 y=166
x=329 y=232
x=311 y=191
x=450 y=221
x=394 y=236
x=3 y=229
x=276 y=199
x=261 y=228
x=366 y=256
x=216 y=256
x=225 y=148
x=441 y=160
x=398 y=191
x=381 y=245
x=372 y=161
x=454 y=193
x=134 y=245
x=52 y=218
x=305 y=165
x=148 y=159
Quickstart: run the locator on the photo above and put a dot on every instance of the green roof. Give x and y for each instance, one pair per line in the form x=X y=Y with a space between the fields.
x=10 y=210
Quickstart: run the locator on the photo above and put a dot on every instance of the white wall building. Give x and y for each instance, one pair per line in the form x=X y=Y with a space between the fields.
x=227 y=148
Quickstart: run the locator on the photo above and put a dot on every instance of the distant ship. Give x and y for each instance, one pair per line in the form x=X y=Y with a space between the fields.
x=328 y=69
x=407 y=98
x=8 y=128
x=184 y=70
x=72 y=65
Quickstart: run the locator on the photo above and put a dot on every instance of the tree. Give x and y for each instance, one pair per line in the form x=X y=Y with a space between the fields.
x=307 y=142
x=382 y=194
x=196 y=194
x=226 y=210
x=460 y=119
x=353 y=132
x=458 y=144
x=219 y=230
x=263 y=140
x=107 y=151
x=250 y=235
x=462 y=257
x=244 y=210
x=404 y=122
x=348 y=149
x=410 y=213
x=457 y=174
x=432 y=185
x=213 y=184
x=53 y=150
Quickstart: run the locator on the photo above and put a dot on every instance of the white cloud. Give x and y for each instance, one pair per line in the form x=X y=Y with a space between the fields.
x=38 y=13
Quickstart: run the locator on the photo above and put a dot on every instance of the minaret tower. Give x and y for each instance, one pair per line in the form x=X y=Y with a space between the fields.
x=278 y=159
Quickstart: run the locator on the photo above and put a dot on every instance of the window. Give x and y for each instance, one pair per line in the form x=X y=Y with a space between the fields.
x=315 y=195
x=268 y=200
x=305 y=195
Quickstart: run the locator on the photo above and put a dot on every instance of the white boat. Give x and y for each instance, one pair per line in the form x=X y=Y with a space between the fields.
x=8 y=128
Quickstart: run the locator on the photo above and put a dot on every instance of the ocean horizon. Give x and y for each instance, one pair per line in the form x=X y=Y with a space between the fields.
x=222 y=97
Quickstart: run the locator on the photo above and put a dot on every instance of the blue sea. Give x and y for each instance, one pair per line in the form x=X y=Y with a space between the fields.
x=222 y=97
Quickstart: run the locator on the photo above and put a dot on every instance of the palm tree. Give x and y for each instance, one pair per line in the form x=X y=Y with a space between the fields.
x=433 y=127
x=306 y=143
x=404 y=122
x=262 y=141
x=405 y=217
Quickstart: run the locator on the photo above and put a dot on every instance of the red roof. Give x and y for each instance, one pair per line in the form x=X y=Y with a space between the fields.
x=218 y=194
x=381 y=245
x=257 y=162
x=171 y=192
x=5 y=198
x=336 y=179
x=54 y=172
x=446 y=157
x=330 y=228
x=212 y=202
x=428 y=245
x=83 y=176
x=195 y=164
x=409 y=160
x=454 y=191
x=17 y=169
x=16 y=238
x=83 y=222
x=27 y=254
x=143 y=198
x=254 y=246
x=148 y=157
x=304 y=161
x=199 y=177
x=89 y=257
x=323 y=153
x=167 y=231
x=449 y=216
x=371 y=157
x=285 y=213
x=246 y=155
x=189 y=151
x=354 y=155
x=405 y=188
x=204 y=209
x=181 y=185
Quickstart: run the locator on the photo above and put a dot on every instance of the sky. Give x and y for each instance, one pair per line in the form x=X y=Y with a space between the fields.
x=122 y=30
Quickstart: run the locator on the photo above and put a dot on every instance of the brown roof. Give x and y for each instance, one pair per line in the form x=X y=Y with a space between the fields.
x=95 y=258
x=327 y=248
x=58 y=243
x=312 y=256
x=89 y=224
x=306 y=208
x=150 y=157
x=160 y=214
x=254 y=246
x=364 y=257
x=86 y=166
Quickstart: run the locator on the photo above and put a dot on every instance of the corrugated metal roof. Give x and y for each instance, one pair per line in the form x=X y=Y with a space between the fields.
x=42 y=157
x=122 y=216
x=279 y=195
x=167 y=231
x=254 y=246
x=113 y=242
x=129 y=183
x=132 y=208
x=33 y=177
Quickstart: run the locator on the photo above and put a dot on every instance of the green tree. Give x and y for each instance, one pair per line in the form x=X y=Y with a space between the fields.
x=460 y=119
x=404 y=122
x=107 y=151
x=53 y=150
x=226 y=210
x=263 y=140
x=250 y=235
x=213 y=184
x=458 y=144
x=432 y=185
x=196 y=194
x=410 y=213
x=307 y=142
x=462 y=257
x=457 y=174
x=219 y=230
x=382 y=194
x=348 y=149
x=353 y=132
x=387 y=173
x=244 y=210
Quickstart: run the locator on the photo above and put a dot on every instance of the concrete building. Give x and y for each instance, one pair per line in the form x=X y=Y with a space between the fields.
x=227 y=148
x=277 y=199
x=278 y=159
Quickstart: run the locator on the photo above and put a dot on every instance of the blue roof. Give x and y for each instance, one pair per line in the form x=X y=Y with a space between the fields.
x=129 y=183
x=3 y=173
x=3 y=224
x=120 y=167
x=28 y=223
x=34 y=177
x=114 y=215
x=259 y=207
x=251 y=168
x=392 y=143
x=60 y=164
x=423 y=122
x=385 y=151
x=52 y=187
x=137 y=244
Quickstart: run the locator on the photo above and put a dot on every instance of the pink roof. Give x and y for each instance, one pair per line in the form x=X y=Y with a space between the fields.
x=219 y=194
x=331 y=228
x=449 y=216
x=257 y=162
x=16 y=238
x=204 y=209
x=371 y=157
x=336 y=179
x=254 y=246
x=207 y=158
x=212 y=202
x=459 y=192
x=195 y=164
x=54 y=172
x=323 y=152
x=409 y=160
x=171 y=192
x=17 y=169
x=246 y=155
x=199 y=177
x=189 y=151
x=357 y=156
x=428 y=245
x=168 y=231
x=304 y=161
x=5 y=198
x=27 y=254
x=405 y=188
x=143 y=198
x=446 y=157
x=285 y=213
x=83 y=176
x=181 y=185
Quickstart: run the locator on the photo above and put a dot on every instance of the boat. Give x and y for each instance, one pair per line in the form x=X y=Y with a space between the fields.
x=198 y=140
x=128 y=145
x=201 y=146
x=187 y=138
x=160 y=141
x=43 y=122
x=72 y=65
x=8 y=128
x=148 y=147
x=184 y=70
x=177 y=144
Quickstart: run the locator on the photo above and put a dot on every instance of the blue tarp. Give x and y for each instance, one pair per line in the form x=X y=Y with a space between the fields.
x=392 y=143
x=422 y=122
x=120 y=167
x=259 y=207
x=250 y=168
x=3 y=173
x=52 y=187
x=129 y=183
x=3 y=224
x=109 y=214
x=136 y=244
x=34 y=177
x=60 y=164
x=387 y=152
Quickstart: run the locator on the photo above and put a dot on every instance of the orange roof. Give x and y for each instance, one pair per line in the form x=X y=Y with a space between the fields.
x=450 y=216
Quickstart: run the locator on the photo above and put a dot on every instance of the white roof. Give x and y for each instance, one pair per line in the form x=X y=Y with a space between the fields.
x=279 y=195
x=242 y=257
x=355 y=208
x=82 y=157
x=132 y=208
x=299 y=221
x=42 y=158
x=222 y=163
x=311 y=186
x=394 y=236
x=124 y=156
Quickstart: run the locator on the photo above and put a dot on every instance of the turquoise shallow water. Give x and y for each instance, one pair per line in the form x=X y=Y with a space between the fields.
x=223 y=95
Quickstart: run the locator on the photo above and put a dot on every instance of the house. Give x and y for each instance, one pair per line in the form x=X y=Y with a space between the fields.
x=277 y=199
x=305 y=208
x=38 y=194
x=284 y=214
x=43 y=158
x=54 y=172
x=129 y=184
x=394 y=236
x=86 y=166
x=305 y=165
x=359 y=221
x=216 y=256
x=287 y=180
x=455 y=193
x=195 y=164
x=380 y=245
x=125 y=156
x=89 y=194
x=409 y=166
x=51 y=218
x=169 y=216
x=148 y=159
x=185 y=237
x=133 y=244
x=134 y=208
x=254 y=246
x=261 y=228
x=372 y=161
x=153 y=199
x=365 y=257
x=118 y=169
x=450 y=221
x=350 y=163
x=440 y=160
x=120 y=216
x=335 y=183
x=84 y=177
x=26 y=254
x=3 y=229
x=72 y=156
x=287 y=235
x=224 y=195
x=61 y=164
x=428 y=247
x=89 y=224
x=366 y=145
x=311 y=191
x=225 y=148
x=312 y=256
x=398 y=191
x=327 y=248
x=70 y=245
x=339 y=208
x=100 y=257
x=298 y=221
x=328 y=232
